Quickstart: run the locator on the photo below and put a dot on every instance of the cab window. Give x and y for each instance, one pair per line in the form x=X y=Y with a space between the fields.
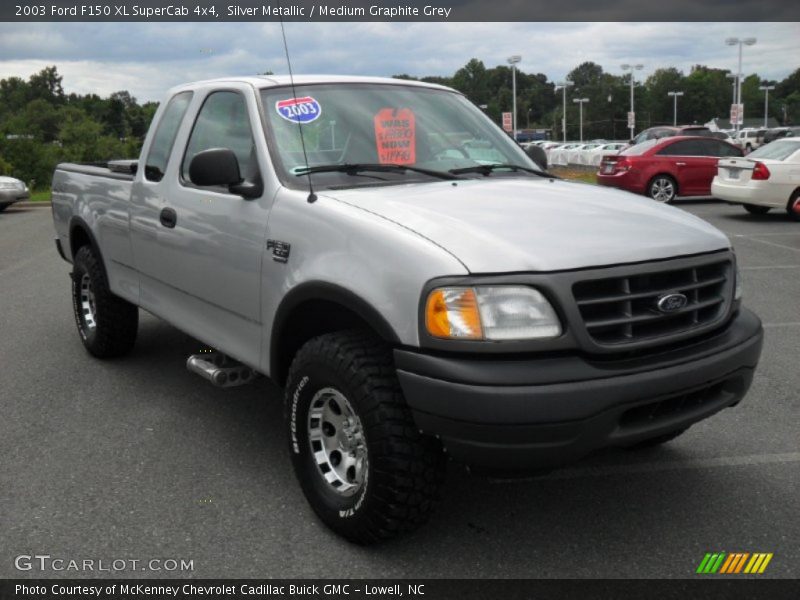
x=164 y=138
x=223 y=122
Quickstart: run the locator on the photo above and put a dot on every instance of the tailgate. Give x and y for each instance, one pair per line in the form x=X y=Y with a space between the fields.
x=735 y=170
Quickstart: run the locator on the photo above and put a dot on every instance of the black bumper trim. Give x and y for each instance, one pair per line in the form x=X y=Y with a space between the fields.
x=543 y=423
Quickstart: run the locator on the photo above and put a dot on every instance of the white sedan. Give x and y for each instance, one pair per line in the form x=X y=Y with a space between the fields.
x=558 y=156
x=596 y=154
x=767 y=178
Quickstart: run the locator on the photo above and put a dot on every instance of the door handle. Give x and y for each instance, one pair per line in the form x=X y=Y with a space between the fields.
x=681 y=164
x=168 y=217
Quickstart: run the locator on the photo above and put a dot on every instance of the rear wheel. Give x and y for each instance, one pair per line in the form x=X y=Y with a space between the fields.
x=362 y=463
x=756 y=210
x=662 y=188
x=793 y=207
x=106 y=323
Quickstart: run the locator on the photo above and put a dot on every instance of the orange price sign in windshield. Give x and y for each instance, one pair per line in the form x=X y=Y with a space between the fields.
x=396 y=136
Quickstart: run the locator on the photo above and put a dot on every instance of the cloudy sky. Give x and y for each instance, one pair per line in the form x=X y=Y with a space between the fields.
x=148 y=58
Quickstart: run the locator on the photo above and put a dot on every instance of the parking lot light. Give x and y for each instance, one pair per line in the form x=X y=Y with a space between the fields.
x=632 y=68
x=674 y=106
x=563 y=85
x=766 y=89
x=513 y=60
x=734 y=41
x=579 y=102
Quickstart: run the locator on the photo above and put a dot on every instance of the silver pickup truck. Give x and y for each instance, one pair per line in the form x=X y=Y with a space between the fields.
x=418 y=285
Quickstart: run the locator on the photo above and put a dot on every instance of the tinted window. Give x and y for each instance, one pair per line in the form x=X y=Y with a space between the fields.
x=682 y=148
x=222 y=123
x=164 y=138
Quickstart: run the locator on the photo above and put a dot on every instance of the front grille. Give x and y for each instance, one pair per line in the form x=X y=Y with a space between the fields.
x=623 y=309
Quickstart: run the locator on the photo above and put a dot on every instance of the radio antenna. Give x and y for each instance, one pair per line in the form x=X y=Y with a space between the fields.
x=312 y=197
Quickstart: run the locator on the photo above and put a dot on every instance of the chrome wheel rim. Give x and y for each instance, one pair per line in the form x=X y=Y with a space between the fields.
x=662 y=190
x=337 y=441
x=88 y=310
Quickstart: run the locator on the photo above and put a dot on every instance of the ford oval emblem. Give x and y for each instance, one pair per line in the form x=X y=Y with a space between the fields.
x=669 y=303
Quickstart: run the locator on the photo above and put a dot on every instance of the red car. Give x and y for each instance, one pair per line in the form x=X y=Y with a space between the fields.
x=666 y=168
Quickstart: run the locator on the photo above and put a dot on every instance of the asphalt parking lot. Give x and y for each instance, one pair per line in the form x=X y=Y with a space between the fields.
x=138 y=458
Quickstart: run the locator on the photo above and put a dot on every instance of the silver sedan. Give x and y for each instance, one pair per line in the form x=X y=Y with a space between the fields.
x=12 y=190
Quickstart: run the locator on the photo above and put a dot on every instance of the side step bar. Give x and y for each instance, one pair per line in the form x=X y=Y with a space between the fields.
x=219 y=369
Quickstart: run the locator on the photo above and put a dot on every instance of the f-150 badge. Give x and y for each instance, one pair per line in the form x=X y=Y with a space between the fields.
x=280 y=250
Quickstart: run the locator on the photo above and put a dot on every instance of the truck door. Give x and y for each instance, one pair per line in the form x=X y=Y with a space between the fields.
x=202 y=269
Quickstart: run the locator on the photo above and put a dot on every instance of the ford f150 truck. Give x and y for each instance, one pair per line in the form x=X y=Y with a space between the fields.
x=415 y=282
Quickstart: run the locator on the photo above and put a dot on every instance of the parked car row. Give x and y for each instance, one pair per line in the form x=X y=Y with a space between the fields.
x=578 y=153
x=663 y=169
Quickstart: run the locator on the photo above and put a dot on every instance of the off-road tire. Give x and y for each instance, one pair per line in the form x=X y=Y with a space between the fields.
x=116 y=321
x=754 y=209
x=405 y=469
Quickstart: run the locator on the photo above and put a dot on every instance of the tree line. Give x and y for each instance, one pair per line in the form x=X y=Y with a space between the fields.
x=708 y=93
x=41 y=126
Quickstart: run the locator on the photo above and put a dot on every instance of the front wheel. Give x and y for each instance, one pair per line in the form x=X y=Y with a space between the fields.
x=106 y=323
x=361 y=461
x=662 y=189
x=756 y=210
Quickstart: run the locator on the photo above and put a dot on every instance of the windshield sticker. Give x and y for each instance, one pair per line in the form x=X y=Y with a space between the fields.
x=395 y=136
x=299 y=110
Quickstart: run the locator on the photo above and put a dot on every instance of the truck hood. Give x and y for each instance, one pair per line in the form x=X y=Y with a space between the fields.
x=499 y=224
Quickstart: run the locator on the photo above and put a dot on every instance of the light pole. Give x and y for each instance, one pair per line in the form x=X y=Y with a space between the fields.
x=563 y=85
x=733 y=41
x=632 y=68
x=674 y=106
x=513 y=60
x=766 y=89
x=579 y=102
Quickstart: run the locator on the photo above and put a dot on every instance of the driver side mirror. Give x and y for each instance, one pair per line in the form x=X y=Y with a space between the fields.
x=219 y=166
x=537 y=155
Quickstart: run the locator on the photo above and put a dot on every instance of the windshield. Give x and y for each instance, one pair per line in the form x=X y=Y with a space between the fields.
x=382 y=124
x=778 y=150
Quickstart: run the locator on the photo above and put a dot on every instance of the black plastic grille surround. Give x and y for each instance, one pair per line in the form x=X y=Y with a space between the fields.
x=625 y=309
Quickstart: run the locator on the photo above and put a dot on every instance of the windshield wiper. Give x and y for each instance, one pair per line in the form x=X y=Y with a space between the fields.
x=356 y=168
x=488 y=169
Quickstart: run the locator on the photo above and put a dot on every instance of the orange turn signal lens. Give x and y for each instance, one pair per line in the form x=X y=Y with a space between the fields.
x=453 y=313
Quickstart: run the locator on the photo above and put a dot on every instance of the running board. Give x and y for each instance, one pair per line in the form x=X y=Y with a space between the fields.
x=219 y=369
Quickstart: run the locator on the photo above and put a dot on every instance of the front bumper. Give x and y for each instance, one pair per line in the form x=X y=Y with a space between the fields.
x=541 y=412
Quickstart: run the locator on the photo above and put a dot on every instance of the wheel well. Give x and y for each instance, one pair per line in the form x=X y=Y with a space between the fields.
x=308 y=320
x=78 y=237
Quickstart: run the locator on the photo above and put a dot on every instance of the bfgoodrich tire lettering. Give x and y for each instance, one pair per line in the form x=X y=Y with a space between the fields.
x=403 y=469
x=106 y=323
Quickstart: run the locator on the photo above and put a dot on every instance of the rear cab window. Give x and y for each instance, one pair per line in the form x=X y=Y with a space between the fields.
x=164 y=138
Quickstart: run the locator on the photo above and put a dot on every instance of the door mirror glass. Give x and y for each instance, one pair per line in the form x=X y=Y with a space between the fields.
x=537 y=155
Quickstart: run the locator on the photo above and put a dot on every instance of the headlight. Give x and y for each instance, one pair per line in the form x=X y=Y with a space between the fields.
x=737 y=290
x=500 y=312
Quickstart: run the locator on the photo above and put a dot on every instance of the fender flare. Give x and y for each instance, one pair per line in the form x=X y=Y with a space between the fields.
x=328 y=292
